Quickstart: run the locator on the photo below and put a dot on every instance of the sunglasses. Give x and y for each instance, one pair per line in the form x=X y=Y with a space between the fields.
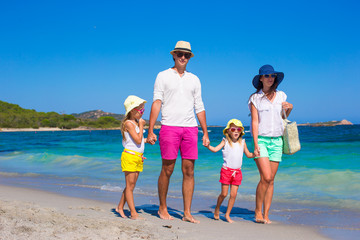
x=269 y=75
x=233 y=129
x=181 y=54
x=141 y=111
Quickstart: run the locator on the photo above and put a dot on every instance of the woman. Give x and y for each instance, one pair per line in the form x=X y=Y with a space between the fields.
x=267 y=106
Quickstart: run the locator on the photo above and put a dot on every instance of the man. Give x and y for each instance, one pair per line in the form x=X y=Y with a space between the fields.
x=178 y=93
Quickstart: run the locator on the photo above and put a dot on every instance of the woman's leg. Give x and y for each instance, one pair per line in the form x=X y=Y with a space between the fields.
x=270 y=191
x=222 y=196
x=233 y=193
x=264 y=168
x=131 y=178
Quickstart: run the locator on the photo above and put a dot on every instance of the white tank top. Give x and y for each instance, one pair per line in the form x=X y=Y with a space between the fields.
x=233 y=155
x=130 y=144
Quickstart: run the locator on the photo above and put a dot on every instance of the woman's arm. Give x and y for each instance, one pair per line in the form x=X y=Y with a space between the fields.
x=255 y=129
x=248 y=154
x=217 y=148
x=288 y=108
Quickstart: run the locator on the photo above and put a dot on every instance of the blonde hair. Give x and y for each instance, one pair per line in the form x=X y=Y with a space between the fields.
x=122 y=126
x=228 y=138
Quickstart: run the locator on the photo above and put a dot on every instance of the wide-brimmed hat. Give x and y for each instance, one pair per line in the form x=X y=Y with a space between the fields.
x=182 y=46
x=267 y=69
x=236 y=123
x=132 y=102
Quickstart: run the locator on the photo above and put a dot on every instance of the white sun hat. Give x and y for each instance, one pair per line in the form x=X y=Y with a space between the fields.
x=132 y=102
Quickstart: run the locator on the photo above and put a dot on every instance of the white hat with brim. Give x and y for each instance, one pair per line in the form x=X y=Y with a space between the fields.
x=237 y=123
x=132 y=102
x=182 y=46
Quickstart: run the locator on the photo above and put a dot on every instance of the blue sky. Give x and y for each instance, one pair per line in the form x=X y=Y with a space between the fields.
x=75 y=56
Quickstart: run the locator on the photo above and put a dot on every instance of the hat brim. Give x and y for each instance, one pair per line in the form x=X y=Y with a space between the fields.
x=182 y=50
x=134 y=106
x=279 y=78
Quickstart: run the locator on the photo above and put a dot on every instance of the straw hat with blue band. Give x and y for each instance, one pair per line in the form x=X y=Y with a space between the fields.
x=132 y=102
x=237 y=123
x=182 y=46
x=267 y=69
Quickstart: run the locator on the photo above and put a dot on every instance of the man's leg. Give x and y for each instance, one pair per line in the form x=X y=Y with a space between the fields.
x=188 y=188
x=163 y=186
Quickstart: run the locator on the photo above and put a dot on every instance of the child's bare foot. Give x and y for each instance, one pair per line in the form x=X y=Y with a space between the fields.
x=227 y=217
x=259 y=217
x=216 y=214
x=121 y=212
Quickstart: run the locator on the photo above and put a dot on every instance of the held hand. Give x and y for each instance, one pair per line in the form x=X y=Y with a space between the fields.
x=286 y=105
x=206 y=141
x=152 y=138
x=257 y=152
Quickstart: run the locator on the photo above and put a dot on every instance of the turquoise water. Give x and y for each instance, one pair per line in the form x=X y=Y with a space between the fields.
x=325 y=172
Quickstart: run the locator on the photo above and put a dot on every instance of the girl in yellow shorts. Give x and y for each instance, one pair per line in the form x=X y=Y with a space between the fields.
x=132 y=128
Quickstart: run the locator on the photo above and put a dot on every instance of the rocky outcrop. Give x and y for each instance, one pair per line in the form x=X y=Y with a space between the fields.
x=327 y=124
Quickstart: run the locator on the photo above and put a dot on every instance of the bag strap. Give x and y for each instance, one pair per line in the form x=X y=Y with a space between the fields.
x=284 y=113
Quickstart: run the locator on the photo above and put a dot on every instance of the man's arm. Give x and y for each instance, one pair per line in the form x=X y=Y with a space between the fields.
x=202 y=120
x=155 y=110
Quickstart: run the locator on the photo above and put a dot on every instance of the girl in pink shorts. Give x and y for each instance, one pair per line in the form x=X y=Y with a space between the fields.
x=233 y=148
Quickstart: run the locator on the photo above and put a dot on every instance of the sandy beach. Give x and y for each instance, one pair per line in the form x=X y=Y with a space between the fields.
x=34 y=214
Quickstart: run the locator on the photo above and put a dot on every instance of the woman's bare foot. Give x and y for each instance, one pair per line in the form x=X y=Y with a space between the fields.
x=227 y=217
x=217 y=214
x=259 y=217
x=121 y=212
x=267 y=220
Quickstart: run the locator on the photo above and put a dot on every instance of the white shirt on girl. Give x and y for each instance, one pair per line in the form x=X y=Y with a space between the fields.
x=129 y=142
x=233 y=155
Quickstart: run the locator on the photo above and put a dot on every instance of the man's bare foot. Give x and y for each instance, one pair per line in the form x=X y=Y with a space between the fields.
x=121 y=212
x=259 y=218
x=190 y=219
x=165 y=216
x=228 y=219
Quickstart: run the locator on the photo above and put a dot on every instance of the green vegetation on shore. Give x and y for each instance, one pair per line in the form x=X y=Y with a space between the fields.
x=13 y=116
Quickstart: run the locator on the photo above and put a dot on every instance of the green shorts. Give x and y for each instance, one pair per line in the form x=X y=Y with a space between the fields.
x=271 y=147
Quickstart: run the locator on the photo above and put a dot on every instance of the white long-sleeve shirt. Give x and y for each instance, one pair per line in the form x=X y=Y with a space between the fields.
x=179 y=96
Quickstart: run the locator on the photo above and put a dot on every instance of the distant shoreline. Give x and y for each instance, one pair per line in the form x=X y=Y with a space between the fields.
x=47 y=129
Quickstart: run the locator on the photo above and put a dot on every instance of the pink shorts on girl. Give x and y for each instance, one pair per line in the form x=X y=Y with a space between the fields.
x=230 y=176
x=172 y=138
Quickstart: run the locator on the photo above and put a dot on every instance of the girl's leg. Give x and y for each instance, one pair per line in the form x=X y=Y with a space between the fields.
x=222 y=196
x=131 y=178
x=264 y=168
x=270 y=191
x=120 y=207
x=233 y=193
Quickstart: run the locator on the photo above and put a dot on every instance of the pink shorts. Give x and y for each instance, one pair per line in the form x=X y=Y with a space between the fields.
x=230 y=176
x=171 y=139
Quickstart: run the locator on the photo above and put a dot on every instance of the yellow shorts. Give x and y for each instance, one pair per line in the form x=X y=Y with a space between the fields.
x=131 y=161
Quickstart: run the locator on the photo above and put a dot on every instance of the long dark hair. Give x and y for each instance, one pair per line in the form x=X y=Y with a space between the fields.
x=260 y=86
